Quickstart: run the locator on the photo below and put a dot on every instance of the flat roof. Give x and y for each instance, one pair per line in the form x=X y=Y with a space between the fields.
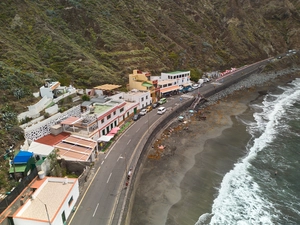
x=80 y=141
x=35 y=209
x=108 y=87
x=76 y=148
x=99 y=109
x=71 y=120
x=51 y=139
x=177 y=72
x=40 y=149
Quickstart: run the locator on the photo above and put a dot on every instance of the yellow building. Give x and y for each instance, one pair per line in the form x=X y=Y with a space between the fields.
x=142 y=81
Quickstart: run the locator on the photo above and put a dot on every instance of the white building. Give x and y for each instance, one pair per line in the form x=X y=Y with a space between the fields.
x=49 y=88
x=51 y=202
x=141 y=97
x=168 y=87
x=180 y=77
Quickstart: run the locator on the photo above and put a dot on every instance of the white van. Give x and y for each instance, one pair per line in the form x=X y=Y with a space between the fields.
x=161 y=110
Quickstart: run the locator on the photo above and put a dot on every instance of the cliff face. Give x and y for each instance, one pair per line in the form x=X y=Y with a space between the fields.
x=92 y=42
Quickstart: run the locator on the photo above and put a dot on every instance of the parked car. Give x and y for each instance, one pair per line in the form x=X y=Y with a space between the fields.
x=149 y=108
x=195 y=86
x=162 y=101
x=155 y=105
x=161 y=110
x=136 y=117
x=143 y=112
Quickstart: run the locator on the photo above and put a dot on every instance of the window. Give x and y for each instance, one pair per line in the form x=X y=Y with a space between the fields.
x=70 y=201
x=103 y=132
x=114 y=113
x=142 y=99
x=102 y=121
x=122 y=109
x=147 y=97
x=109 y=116
x=63 y=217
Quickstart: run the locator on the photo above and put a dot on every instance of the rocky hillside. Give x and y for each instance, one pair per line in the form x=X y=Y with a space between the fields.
x=92 y=42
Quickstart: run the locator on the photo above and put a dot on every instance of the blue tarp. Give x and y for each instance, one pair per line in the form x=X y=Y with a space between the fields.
x=22 y=157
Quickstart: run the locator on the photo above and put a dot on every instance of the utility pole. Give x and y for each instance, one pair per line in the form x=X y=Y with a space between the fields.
x=47 y=214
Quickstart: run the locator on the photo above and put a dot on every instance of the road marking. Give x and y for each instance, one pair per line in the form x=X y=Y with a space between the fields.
x=95 y=209
x=138 y=130
x=102 y=162
x=108 y=178
x=128 y=141
x=107 y=154
x=120 y=157
x=84 y=195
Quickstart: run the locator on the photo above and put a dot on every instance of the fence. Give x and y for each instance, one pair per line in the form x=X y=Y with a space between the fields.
x=18 y=190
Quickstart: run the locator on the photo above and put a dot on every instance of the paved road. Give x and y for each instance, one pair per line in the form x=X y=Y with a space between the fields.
x=98 y=203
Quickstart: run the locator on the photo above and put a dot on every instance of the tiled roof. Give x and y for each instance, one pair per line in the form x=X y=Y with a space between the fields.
x=52 y=140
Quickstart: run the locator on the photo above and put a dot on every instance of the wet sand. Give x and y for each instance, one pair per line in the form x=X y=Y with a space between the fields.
x=180 y=185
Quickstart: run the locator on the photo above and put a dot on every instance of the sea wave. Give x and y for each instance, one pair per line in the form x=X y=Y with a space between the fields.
x=240 y=198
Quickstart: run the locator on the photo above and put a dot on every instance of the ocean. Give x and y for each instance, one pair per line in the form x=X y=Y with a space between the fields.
x=263 y=186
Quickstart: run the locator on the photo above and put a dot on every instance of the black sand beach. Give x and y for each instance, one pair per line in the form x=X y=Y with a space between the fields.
x=181 y=185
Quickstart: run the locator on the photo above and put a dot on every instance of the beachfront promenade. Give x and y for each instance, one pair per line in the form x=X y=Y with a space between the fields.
x=105 y=200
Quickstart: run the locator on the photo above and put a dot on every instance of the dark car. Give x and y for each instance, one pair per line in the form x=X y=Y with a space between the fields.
x=155 y=105
x=136 y=117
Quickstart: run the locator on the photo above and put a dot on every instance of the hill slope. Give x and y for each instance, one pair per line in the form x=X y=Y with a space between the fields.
x=92 y=42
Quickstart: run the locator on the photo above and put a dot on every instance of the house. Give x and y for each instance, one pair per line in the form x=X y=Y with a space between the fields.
x=21 y=164
x=71 y=147
x=179 y=77
x=168 y=87
x=50 y=88
x=51 y=201
x=142 y=81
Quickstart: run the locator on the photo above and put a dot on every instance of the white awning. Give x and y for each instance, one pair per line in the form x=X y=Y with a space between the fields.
x=105 y=138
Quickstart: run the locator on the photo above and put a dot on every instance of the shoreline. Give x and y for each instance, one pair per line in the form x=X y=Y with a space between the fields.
x=158 y=197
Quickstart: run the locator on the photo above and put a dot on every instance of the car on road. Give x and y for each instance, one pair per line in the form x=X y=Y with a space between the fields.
x=161 y=110
x=162 y=101
x=155 y=105
x=195 y=86
x=136 y=117
x=143 y=112
x=149 y=108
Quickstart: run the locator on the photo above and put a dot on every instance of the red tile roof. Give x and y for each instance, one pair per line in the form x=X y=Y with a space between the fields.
x=52 y=140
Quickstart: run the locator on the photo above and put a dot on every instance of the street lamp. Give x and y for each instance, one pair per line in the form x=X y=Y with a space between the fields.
x=46 y=208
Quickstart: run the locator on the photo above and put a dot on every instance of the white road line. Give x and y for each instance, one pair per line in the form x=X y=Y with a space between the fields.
x=108 y=178
x=95 y=209
x=128 y=141
x=107 y=154
x=138 y=130
x=120 y=157
x=102 y=162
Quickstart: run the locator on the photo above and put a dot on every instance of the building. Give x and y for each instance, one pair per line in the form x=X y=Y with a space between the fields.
x=143 y=98
x=50 y=88
x=168 y=87
x=179 y=77
x=142 y=81
x=51 y=201
x=71 y=147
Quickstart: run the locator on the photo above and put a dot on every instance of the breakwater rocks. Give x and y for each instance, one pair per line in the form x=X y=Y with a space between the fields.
x=253 y=80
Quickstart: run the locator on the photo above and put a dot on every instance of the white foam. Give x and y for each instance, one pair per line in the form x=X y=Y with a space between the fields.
x=239 y=200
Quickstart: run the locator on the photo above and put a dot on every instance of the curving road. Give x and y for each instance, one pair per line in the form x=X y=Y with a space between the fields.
x=99 y=202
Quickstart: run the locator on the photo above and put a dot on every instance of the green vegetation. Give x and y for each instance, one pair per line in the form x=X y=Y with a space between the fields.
x=87 y=43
